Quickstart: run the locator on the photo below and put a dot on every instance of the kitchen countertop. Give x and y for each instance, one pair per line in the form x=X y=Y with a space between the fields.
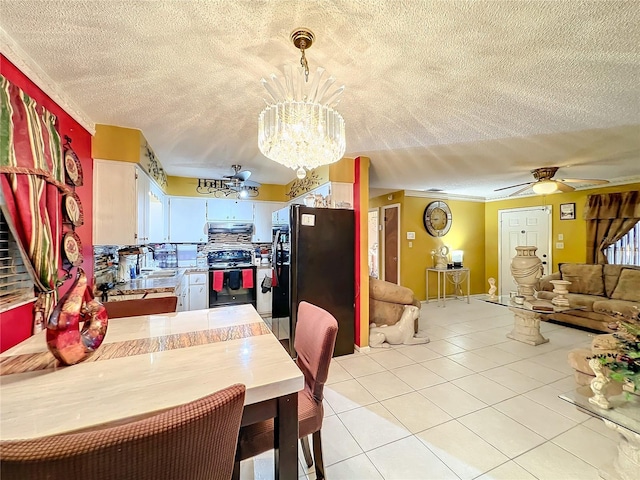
x=153 y=284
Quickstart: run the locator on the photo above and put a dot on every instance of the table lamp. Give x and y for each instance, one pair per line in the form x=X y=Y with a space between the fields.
x=456 y=258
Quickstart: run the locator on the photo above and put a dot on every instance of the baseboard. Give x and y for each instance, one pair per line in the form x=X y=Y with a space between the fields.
x=366 y=349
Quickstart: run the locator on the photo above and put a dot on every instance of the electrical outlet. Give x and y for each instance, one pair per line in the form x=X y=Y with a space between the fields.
x=559 y=245
x=410 y=244
x=560 y=237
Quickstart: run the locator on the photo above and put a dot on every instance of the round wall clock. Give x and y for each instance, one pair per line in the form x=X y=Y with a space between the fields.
x=437 y=218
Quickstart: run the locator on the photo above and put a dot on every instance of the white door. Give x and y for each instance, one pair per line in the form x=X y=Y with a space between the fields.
x=522 y=226
x=373 y=250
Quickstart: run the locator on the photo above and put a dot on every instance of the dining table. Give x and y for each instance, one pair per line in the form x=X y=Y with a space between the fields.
x=150 y=363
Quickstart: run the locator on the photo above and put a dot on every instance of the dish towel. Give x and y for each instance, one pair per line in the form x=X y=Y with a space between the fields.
x=234 y=280
x=274 y=278
x=247 y=278
x=218 y=280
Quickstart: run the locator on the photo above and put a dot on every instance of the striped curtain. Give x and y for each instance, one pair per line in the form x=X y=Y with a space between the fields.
x=31 y=177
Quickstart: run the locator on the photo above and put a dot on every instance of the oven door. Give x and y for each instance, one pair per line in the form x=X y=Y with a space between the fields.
x=232 y=286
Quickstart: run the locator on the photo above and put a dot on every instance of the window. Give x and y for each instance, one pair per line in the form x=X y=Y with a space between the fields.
x=626 y=251
x=16 y=285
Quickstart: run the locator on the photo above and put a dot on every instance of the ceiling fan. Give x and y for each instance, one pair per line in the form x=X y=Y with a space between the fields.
x=239 y=181
x=544 y=182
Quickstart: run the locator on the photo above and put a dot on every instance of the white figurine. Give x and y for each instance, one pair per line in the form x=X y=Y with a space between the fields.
x=492 y=288
x=400 y=333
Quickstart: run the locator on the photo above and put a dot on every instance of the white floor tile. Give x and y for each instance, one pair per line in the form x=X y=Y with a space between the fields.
x=337 y=373
x=337 y=442
x=550 y=462
x=536 y=371
x=461 y=450
x=453 y=400
x=497 y=355
x=419 y=353
x=446 y=368
x=416 y=412
x=534 y=416
x=347 y=395
x=501 y=431
x=507 y=471
x=373 y=426
x=444 y=347
x=390 y=358
x=356 y=468
x=484 y=389
x=360 y=365
x=473 y=362
x=409 y=459
x=588 y=445
x=384 y=385
x=548 y=397
x=417 y=376
x=511 y=379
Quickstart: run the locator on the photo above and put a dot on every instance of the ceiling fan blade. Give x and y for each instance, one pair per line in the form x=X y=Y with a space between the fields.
x=243 y=175
x=521 y=190
x=513 y=186
x=251 y=183
x=583 y=180
x=563 y=187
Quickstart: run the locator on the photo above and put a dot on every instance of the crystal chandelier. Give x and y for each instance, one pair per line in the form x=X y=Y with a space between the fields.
x=299 y=128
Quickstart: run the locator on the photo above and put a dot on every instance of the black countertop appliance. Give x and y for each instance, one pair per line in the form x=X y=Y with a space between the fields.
x=321 y=269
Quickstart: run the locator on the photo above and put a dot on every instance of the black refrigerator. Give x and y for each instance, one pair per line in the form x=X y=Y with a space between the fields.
x=320 y=269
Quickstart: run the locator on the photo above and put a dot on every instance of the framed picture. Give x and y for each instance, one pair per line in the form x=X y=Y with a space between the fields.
x=567 y=211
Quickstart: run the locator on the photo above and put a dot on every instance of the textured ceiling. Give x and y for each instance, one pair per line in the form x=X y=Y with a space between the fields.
x=462 y=96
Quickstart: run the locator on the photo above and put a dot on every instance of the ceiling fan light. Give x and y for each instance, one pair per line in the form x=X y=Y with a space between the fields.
x=544 y=187
x=243 y=193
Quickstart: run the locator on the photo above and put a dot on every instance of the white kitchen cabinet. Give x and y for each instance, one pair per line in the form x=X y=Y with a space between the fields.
x=158 y=215
x=227 y=209
x=125 y=211
x=198 y=295
x=187 y=218
x=263 y=220
x=183 y=295
x=263 y=300
x=280 y=217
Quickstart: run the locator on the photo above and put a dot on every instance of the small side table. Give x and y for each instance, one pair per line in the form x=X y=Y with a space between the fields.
x=456 y=276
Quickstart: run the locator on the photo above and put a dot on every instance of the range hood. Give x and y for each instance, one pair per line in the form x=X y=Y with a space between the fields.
x=236 y=228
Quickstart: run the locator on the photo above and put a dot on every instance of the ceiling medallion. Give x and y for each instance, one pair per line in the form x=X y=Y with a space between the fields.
x=299 y=128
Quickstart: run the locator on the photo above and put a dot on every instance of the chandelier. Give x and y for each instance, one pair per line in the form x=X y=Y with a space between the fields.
x=299 y=128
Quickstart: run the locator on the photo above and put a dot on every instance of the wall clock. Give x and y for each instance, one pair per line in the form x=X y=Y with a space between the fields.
x=437 y=218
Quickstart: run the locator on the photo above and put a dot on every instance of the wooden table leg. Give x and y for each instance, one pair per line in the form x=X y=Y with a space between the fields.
x=286 y=438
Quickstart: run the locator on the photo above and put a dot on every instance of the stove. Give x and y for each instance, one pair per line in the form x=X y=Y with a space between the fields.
x=232 y=277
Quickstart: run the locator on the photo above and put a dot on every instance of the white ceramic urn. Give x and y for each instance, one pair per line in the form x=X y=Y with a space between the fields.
x=526 y=269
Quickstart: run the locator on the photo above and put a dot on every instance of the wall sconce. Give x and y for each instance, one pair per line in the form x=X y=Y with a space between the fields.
x=456 y=258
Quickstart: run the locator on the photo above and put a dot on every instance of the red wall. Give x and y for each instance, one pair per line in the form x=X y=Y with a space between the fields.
x=15 y=325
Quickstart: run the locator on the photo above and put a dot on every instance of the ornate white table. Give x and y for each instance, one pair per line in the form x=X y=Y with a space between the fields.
x=150 y=363
x=455 y=276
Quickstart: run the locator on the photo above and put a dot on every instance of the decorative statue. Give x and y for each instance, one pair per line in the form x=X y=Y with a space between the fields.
x=400 y=333
x=492 y=288
x=65 y=340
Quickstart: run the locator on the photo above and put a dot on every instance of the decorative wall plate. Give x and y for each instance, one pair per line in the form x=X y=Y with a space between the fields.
x=73 y=209
x=73 y=168
x=72 y=248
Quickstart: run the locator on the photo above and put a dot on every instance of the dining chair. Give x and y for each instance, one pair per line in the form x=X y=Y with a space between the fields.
x=315 y=339
x=193 y=441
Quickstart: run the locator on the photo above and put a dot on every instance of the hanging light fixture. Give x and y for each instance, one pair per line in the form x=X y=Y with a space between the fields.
x=299 y=128
x=544 y=187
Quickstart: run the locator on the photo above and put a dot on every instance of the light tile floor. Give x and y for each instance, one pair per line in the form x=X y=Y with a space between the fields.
x=471 y=404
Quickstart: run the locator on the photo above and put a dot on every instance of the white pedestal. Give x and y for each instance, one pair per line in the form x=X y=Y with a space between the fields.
x=526 y=327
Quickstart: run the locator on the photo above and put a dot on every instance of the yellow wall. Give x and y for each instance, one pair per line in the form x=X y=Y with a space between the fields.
x=186 y=187
x=574 y=231
x=116 y=143
x=343 y=170
x=362 y=203
x=466 y=233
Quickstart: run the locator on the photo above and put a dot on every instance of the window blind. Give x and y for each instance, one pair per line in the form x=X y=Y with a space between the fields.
x=16 y=285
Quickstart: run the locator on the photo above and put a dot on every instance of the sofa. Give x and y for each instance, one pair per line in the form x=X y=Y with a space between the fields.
x=603 y=292
x=387 y=301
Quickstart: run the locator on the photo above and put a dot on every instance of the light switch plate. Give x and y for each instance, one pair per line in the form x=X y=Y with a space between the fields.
x=559 y=245
x=411 y=235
